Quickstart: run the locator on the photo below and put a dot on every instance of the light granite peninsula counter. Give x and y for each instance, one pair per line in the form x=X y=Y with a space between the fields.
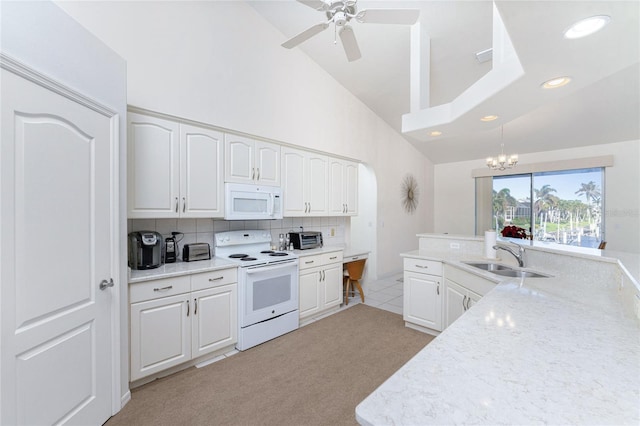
x=559 y=350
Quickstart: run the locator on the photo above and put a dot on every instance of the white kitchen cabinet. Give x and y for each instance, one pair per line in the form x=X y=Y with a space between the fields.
x=457 y=301
x=320 y=283
x=423 y=295
x=175 y=320
x=214 y=321
x=201 y=172
x=304 y=182
x=462 y=291
x=251 y=161
x=174 y=169
x=343 y=187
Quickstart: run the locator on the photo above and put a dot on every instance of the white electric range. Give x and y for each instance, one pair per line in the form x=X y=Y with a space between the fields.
x=267 y=285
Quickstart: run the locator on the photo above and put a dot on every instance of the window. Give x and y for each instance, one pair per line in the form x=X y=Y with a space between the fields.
x=567 y=205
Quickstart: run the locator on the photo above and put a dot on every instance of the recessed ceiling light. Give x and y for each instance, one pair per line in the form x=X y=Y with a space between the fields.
x=435 y=133
x=586 y=26
x=556 y=82
x=489 y=118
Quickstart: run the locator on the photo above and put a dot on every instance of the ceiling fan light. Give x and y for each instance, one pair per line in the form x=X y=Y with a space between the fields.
x=435 y=133
x=489 y=118
x=586 y=26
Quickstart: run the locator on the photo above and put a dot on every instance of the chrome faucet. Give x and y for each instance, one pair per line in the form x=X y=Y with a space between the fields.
x=519 y=256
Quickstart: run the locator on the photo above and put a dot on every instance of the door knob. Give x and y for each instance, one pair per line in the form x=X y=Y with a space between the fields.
x=105 y=284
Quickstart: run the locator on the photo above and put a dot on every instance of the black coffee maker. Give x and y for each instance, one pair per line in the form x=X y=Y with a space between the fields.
x=145 y=250
x=170 y=250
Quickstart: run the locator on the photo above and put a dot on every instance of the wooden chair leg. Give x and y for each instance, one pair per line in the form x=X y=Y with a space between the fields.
x=346 y=293
x=359 y=287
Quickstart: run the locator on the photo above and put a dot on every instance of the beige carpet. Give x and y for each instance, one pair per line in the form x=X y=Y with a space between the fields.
x=315 y=375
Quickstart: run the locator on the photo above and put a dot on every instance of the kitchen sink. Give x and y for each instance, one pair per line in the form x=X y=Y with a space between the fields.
x=519 y=274
x=491 y=267
x=505 y=271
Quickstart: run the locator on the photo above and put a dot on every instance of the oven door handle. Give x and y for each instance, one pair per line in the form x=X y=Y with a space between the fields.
x=255 y=270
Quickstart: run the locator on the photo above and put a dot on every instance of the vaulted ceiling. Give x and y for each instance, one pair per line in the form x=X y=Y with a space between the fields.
x=600 y=105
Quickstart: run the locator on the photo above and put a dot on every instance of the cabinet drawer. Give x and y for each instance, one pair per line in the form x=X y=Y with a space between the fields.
x=333 y=257
x=155 y=289
x=423 y=266
x=320 y=259
x=307 y=262
x=214 y=278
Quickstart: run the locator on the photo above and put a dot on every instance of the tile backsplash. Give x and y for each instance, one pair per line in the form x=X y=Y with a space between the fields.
x=203 y=230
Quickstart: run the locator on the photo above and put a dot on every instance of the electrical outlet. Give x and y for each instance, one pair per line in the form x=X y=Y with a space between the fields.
x=333 y=232
x=454 y=245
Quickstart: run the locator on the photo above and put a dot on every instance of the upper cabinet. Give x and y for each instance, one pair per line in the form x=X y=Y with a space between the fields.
x=304 y=182
x=251 y=161
x=174 y=169
x=343 y=187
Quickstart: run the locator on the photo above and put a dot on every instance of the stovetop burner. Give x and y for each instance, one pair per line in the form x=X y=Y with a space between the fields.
x=279 y=253
x=267 y=252
x=247 y=259
x=238 y=256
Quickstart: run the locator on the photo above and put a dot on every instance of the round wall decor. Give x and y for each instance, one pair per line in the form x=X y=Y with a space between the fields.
x=410 y=193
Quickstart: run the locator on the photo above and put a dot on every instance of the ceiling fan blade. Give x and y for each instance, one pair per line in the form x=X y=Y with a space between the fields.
x=314 y=4
x=305 y=35
x=388 y=16
x=350 y=44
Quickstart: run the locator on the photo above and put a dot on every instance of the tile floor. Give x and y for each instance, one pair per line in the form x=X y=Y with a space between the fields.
x=383 y=294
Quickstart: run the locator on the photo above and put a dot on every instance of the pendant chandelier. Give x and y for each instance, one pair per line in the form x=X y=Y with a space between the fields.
x=502 y=161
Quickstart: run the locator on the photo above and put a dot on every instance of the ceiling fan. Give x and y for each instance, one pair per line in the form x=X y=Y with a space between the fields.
x=341 y=12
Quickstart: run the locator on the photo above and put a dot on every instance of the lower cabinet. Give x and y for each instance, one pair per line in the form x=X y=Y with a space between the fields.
x=174 y=320
x=457 y=301
x=320 y=283
x=423 y=294
x=462 y=291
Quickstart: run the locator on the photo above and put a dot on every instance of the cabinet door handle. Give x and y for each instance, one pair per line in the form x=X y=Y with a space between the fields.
x=258 y=173
x=334 y=257
x=464 y=300
x=195 y=306
x=169 y=287
x=309 y=262
x=187 y=308
x=319 y=275
x=184 y=204
x=216 y=278
x=438 y=289
x=468 y=302
x=324 y=275
x=253 y=173
x=421 y=266
x=176 y=204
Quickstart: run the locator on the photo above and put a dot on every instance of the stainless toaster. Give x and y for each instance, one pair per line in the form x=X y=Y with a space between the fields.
x=196 y=251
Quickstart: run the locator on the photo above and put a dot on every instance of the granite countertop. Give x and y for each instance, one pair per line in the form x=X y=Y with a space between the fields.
x=178 y=268
x=530 y=351
x=348 y=251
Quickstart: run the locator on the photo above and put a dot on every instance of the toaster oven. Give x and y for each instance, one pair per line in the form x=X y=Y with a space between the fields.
x=306 y=240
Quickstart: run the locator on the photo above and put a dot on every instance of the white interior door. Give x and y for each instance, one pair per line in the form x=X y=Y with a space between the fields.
x=56 y=247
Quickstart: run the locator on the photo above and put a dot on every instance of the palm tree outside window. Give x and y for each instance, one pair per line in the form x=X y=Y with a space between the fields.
x=567 y=205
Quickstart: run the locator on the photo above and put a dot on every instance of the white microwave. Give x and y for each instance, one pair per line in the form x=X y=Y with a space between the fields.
x=252 y=202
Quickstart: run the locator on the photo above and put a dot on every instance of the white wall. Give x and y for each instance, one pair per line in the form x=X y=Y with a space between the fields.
x=454 y=198
x=220 y=63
